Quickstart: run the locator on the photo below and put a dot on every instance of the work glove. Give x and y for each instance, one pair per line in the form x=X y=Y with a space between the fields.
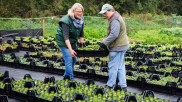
x=102 y=46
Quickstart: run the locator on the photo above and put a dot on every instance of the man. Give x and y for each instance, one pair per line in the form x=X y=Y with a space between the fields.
x=117 y=43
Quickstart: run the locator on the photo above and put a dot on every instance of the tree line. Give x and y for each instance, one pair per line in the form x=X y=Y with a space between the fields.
x=42 y=8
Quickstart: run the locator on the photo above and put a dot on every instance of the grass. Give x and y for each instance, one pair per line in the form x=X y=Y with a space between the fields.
x=154 y=37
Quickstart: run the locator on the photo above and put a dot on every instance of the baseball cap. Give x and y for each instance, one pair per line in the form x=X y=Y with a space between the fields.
x=105 y=8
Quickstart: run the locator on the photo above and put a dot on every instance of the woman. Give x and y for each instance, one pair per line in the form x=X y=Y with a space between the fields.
x=69 y=30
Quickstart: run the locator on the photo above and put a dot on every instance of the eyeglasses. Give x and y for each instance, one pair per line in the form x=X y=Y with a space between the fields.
x=78 y=11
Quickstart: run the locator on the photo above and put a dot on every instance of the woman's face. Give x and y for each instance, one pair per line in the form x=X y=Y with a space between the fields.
x=78 y=12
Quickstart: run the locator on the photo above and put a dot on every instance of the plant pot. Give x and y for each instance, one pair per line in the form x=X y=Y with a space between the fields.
x=31 y=93
x=155 y=77
x=172 y=84
x=150 y=63
x=42 y=58
x=3 y=98
x=96 y=59
x=99 y=91
x=72 y=84
x=29 y=84
x=5 y=75
x=142 y=70
x=8 y=49
x=78 y=96
x=104 y=64
x=1 y=40
x=130 y=98
x=91 y=71
x=83 y=66
x=90 y=82
x=57 y=99
x=27 y=55
x=129 y=73
x=86 y=61
x=139 y=63
x=8 y=86
x=180 y=74
x=110 y=101
x=179 y=99
x=13 y=56
x=180 y=81
x=46 y=80
x=161 y=66
x=104 y=69
x=27 y=76
x=148 y=93
x=52 y=79
x=32 y=48
x=166 y=74
x=54 y=57
x=17 y=60
x=151 y=68
x=53 y=89
x=9 y=41
x=7 y=80
x=142 y=79
x=50 y=65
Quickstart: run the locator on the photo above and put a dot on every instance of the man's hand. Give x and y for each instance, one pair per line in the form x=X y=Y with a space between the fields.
x=102 y=46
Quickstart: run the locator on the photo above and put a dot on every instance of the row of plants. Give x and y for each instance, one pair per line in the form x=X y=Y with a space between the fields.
x=89 y=63
x=155 y=54
x=71 y=90
x=8 y=46
x=85 y=67
x=157 y=79
x=155 y=59
x=45 y=43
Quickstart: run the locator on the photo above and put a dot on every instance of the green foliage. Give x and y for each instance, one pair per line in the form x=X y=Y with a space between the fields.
x=172 y=31
x=42 y=8
x=95 y=27
x=154 y=37
x=9 y=24
x=149 y=29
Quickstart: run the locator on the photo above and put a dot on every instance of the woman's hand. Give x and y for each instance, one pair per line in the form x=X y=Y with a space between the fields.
x=73 y=53
x=82 y=42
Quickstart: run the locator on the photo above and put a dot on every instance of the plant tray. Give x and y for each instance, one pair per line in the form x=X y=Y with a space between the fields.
x=91 y=53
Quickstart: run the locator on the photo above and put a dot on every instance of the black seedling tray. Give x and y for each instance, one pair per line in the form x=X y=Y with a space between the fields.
x=91 y=53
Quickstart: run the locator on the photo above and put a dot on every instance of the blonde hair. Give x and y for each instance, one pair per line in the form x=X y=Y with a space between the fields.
x=71 y=10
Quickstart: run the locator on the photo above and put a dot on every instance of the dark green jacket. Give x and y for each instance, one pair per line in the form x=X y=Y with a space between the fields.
x=73 y=32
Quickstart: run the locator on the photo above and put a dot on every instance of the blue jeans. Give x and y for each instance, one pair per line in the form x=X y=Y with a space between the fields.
x=116 y=66
x=69 y=62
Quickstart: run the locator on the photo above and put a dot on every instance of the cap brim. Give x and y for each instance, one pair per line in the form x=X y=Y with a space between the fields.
x=102 y=12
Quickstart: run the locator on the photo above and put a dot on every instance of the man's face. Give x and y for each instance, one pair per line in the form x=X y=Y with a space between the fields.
x=78 y=12
x=107 y=14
